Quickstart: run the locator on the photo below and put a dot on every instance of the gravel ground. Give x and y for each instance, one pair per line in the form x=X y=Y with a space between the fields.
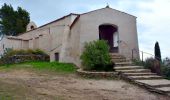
x=29 y=85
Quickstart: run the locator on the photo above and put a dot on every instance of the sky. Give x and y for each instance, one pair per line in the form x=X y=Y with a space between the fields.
x=153 y=17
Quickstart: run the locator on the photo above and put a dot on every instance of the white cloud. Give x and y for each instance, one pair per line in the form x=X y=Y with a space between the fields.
x=157 y=21
x=153 y=22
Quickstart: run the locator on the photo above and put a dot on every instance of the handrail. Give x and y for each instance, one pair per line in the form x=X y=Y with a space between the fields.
x=146 y=53
x=139 y=51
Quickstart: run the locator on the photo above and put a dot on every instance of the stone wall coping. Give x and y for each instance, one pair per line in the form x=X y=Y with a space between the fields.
x=103 y=74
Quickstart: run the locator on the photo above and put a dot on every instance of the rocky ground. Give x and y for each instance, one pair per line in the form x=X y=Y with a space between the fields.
x=30 y=85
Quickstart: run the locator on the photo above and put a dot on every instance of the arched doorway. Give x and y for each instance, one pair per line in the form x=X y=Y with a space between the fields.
x=106 y=32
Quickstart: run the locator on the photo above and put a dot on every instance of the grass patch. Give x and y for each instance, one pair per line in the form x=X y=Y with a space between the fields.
x=54 y=66
x=43 y=66
x=5 y=97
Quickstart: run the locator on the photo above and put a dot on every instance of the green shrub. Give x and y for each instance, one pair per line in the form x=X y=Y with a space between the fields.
x=15 y=56
x=137 y=62
x=153 y=64
x=166 y=61
x=96 y=56
x=149 y=63
x=38 y=52
x=30 y=51
x=165 y=70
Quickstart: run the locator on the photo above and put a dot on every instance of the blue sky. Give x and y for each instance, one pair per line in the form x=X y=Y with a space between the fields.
x=153 y=17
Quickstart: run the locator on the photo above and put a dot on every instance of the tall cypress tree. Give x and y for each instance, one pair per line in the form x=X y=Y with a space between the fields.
x=157 y=51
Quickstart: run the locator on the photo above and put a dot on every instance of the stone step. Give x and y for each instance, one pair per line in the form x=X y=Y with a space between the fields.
x=139 y=74
x=154 y=83
x=114 y=54
x=123 y=63
x=164 y=89
x=117 y=57
x=134 y=71
x=118 y=60
x=127 y=67
x=113 y=57
x=145 y=77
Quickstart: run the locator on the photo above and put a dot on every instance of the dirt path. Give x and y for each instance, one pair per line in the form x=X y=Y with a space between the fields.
x=24 y=84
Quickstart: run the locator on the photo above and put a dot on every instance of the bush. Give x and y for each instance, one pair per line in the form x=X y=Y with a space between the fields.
x=161 y=68
x=149 y=63
x=15 y=56
x=165 y=71
x=153 y=64
x=137 y=62
x=165 y=68
x=96 y=56
x=166 y=61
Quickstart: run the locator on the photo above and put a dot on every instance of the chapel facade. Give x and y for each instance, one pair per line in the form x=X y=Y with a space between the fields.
x=64 y=38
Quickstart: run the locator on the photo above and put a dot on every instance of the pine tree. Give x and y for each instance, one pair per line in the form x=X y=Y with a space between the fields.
x=13 y=22
x=157 y=51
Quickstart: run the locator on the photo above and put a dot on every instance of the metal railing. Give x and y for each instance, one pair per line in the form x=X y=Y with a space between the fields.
x=142 y=54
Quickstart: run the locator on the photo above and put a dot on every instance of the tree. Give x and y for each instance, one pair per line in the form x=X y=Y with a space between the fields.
x=157 y=51
x=13 y=22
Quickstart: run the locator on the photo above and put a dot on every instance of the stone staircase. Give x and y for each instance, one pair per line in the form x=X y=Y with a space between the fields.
x=140 y=76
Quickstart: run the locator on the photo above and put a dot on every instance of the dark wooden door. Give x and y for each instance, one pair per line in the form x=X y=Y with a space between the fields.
x=56 y=56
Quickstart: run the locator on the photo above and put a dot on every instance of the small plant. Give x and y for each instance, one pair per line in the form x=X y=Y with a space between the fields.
x=153 y=64
x=38 y=52
x=165 y=70
x=149 y=63
x=138 y=62
x=96 y=56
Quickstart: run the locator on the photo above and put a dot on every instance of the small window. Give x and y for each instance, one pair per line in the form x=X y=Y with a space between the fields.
x=32 y=27
x=56 y=56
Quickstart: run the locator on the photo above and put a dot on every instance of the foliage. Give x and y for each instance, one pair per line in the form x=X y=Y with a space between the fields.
x=13 y=22
x=137 y=62
x=165 y=67
x=16 y=56
x=96 y=56
x=149 y=63
x=166 y=61
x=165 y=70
x=154 y=65
x=157 y=51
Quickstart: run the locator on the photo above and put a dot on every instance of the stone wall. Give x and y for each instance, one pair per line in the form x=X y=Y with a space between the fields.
x=90 y=74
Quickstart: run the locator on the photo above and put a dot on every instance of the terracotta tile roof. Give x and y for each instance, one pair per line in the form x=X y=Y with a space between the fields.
x=50 y=22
